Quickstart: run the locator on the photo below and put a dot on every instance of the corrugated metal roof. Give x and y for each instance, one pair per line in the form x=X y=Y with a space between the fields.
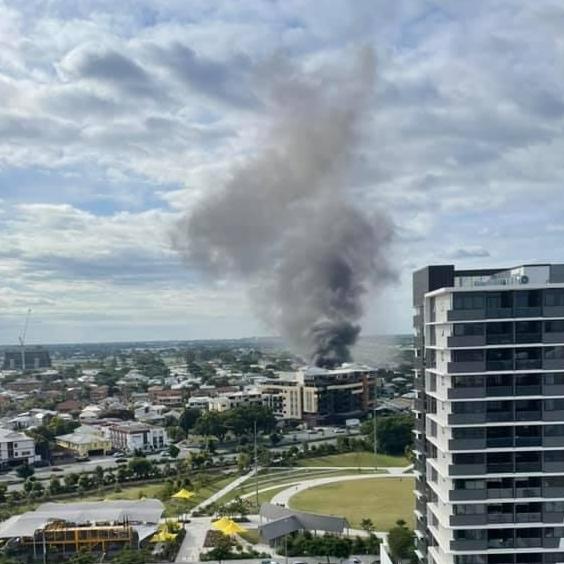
x=143 y=511
x=283 y=521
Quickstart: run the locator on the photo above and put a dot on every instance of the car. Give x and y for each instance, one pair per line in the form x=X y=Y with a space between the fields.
x=355 y=560
x=269 y=562
x=56 y=469
x=298 y=562
x=82 y=458
x=118 y=455
x=121 y=461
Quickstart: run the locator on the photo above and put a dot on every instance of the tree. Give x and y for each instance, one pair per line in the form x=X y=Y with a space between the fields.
x=3 y=491
x=243 y=461
x=55 y=485
x=221 y=548
x=99 y=475
x=140 y=467
x=367 y=525
x=25 y=471
x=130 y=556
x=188 y=419
x=401 y=542
x=393 y=433
x=211 y=424
x=83 y=556
x=173 y=451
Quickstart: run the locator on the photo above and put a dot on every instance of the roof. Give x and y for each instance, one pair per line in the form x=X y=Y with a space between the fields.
x=142 y=512
x=283 y=521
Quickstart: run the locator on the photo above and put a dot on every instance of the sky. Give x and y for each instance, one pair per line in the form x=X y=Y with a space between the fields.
x=118 y=117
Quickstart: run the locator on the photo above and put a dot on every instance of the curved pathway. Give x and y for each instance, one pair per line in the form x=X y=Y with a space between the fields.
x=283 y=497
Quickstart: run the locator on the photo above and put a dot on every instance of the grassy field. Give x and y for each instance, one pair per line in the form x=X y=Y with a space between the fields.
x=355 y=459
x=282 y=478
x=383 y=500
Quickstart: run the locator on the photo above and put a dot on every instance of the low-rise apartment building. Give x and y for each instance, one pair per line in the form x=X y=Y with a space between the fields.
x=322 y=396
x=168 y=398
x=227 y=401
x=16 y=448
x=130 y=436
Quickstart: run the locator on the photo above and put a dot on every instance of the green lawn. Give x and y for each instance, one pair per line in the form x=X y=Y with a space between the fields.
x=383 y=500
x=283 y=479
x=355 y=459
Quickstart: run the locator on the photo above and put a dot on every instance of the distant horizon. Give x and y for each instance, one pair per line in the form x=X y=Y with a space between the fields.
x=164 y=341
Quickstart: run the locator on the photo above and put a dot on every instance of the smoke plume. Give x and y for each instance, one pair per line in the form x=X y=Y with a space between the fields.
x=284 y=223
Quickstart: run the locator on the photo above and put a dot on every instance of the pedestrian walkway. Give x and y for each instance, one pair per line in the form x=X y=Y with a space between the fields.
x=228 y=488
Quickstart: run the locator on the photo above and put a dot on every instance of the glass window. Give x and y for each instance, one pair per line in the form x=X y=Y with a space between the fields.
x=556 y=326
x=554 y=298
x=556 y=404
x=554 y=379
x=470 y=381
x=470 y=355
x=554 y=456
x=554 y=430
x=466 y=329
x=554 y=352
x=468 y=300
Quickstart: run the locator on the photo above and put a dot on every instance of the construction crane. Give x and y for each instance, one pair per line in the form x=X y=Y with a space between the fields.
x=22 y=338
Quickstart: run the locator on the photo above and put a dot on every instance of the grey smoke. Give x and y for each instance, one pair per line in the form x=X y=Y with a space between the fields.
x=284 y=223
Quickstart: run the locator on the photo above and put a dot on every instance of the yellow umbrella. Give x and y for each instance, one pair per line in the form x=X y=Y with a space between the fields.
x=183 y=494
x=163 y=536
x=232 y=528
x=220 y=523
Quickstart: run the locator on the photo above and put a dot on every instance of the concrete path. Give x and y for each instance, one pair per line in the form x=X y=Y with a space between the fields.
x=283 y=497
x=193 y=542
x=228 y=488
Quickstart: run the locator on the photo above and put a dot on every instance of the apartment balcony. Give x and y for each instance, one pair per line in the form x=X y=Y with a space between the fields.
x=553 y=390
x=553 y=415
x=552 y=491
x=551 y=337
x=531 y=390
x=463 y=367
x=553 y=467
x=466 y=341
x=553 y=363
x=528 y=415
x=466 y=469
x=528 y=466
x=467 y=444
x=465 y=520
x=553 y=517
x=553 y=311
x=499 y=467
x=465 y=314
x=528 y=364
x=468 y=544
x=466 y=393
x=499 y=442
x=499 y=391
x=468 y=495
x=527 y=311
x=553 y=441
x=466 y=418
x=528 y=441
x=499 y=365
x=535 y=517
x=528 y=492
x=521 y=338
x=499 y=312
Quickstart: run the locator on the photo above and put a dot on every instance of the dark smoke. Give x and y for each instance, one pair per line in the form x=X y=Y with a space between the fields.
x=284 y=223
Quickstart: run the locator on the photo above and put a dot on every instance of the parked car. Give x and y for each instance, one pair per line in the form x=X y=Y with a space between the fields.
x=121 y=461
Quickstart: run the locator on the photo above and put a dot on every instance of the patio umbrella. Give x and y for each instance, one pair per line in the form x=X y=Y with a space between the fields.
x=163 y=536
x=183 y=494
x=220 y=523
x=232 y=528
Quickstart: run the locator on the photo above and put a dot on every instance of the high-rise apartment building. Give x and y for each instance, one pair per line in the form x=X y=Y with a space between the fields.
x=489 y=432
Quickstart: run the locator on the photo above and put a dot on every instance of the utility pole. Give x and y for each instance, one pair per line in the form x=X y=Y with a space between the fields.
x=256 y=470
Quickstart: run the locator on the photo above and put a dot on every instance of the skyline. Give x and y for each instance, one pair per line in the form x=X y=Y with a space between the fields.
x=119 y=117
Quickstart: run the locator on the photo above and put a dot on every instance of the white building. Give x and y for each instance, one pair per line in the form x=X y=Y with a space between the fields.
x=230 y=400
x=16 y=448
x=489 y=415
x=130 y=436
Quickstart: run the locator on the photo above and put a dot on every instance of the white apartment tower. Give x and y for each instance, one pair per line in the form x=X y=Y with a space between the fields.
x=489 y=437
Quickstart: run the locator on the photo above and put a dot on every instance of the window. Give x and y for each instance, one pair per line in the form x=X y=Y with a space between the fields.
x=554 y=379
x=556 y=326
x=554 y=456
x=469 y=509
x=554 y=352
x=467 y=433
x=470 y=355
x=554 y=404
x=528 y=298
x=554 y=431
x=471 y=381
x=554 y=298
x=463 y=300
x=554 y=506
x=467 y=329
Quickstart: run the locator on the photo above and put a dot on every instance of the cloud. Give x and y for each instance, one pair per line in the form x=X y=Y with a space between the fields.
x=468 y=252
